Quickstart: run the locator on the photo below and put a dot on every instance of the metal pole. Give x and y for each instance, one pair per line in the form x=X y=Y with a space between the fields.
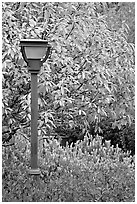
x=34 y=132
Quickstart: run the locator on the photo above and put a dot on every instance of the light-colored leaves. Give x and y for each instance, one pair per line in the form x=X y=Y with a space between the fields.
x=90 y=65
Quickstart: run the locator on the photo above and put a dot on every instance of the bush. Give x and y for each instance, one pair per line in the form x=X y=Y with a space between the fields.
x=124 y=137
x=87 y=172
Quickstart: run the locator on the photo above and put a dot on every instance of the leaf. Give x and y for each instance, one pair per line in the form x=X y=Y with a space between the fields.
x=62 y=90
x=32 y=23
x=82 y=98
x=106 y=86
x=103 y=111
x=79 y=112
x=129 y=119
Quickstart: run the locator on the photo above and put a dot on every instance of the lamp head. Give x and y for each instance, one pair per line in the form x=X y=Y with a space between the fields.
x=34 y=50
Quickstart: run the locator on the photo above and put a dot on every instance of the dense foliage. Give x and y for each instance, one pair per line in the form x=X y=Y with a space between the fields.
x=88 y=172
x=118 y=13
x=86 y=87
x=88 y=79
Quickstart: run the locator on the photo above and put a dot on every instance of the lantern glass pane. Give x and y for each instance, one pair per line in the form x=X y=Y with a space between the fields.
x=35 y=53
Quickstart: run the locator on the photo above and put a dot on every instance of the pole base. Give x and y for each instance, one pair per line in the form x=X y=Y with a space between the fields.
x=34 y=171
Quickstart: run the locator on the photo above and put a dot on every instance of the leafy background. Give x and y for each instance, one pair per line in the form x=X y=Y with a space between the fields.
x=87 y=85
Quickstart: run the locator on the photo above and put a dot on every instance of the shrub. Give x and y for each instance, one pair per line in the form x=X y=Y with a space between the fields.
x=124 y=137
x=87 y=172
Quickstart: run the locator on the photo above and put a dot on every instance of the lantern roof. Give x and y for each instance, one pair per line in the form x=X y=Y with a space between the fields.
x=33 y=42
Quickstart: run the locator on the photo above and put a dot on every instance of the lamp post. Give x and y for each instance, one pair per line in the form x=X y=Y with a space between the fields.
x=35 y=52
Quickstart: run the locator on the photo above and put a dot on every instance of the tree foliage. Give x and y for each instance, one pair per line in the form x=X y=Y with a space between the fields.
x=89 y=76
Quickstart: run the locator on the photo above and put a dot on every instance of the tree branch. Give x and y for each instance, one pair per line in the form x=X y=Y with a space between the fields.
x=7 y=145
x=24 y=136
x=70 y=31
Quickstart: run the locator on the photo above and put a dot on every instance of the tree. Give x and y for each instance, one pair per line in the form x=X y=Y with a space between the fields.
x=88 y=78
